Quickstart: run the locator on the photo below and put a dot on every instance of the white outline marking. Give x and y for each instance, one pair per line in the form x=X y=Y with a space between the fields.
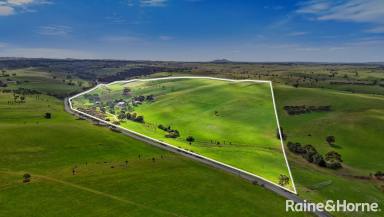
x=183 y=150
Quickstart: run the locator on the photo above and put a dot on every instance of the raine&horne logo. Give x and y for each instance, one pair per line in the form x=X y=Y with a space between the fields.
x=331 y=206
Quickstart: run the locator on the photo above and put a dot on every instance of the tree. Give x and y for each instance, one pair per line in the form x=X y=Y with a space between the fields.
x=318 y=159
x=122 y=116
x=162 y=127
x=129 y=116
x=333 y=164
x=309 y=152
x=172 y=134
x=47 y=115
x=133 y=116
x=283 y=180
x=190 y=139
x=126 y=91
x=26 y=177
x=330 y=140
x=296 y=148
x=139 y=119
x=333 y=160
x=333 y=155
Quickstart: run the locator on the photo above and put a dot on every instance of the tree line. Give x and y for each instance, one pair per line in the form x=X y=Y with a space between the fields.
x=331 y=159
x=302 y=109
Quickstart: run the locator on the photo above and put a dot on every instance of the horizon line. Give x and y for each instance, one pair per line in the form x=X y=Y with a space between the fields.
x=216 y=61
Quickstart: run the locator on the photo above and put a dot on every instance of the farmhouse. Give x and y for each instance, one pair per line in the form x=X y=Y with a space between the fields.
x=120 y=104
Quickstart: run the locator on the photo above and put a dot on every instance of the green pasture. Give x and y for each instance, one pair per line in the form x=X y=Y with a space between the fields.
x=356 y=121
x=103 y=184
x=43 y=81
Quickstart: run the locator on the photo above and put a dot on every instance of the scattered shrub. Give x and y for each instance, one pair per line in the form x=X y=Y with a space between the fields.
x=47 y=115
x=190 y=139
x=139 y=119
x=330 y=140
x=26 y=178
x=283 y=180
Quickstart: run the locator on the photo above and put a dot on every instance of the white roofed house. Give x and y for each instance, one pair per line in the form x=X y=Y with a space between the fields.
x=121 y=104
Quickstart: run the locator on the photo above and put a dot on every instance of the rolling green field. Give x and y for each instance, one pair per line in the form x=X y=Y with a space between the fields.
x=231 y=122
x=103 y=184
x=49 y=149
x=43 y=81
x=356 y=121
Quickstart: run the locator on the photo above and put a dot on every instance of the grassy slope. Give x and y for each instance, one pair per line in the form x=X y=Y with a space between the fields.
x=49 y=149
x=245 y=118
x=357 y=123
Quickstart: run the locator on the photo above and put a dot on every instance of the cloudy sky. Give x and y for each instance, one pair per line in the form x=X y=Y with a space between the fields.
x=194 y=30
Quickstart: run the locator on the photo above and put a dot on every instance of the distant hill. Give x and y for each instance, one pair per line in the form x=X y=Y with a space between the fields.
x=221 y=61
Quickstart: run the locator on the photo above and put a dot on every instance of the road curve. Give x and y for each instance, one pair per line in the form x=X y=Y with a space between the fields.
x=255 y=180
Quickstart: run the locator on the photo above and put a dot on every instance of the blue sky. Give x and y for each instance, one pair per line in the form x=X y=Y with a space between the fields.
x=194 y=30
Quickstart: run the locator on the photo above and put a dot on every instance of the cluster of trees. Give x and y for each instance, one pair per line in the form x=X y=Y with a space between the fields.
x=17 y=99
x=355 y=82
x=142 y=98
x=331 y=160
x=25 y=91
x=139 y=98
x=171 y=132
x=302 y=109
x=131 y=116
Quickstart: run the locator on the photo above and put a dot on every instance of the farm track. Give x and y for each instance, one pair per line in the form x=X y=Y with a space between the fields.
x=93 y=191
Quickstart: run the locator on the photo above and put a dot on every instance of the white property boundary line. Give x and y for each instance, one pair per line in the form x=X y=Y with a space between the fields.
x=183 y=150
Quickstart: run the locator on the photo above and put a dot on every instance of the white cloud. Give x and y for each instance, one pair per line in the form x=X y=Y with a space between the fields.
x=6 y=10
x=153 y=3
x=55 y=30
x=20 y=2
x=10 y=7
x=361 y=11
x=314 y=6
